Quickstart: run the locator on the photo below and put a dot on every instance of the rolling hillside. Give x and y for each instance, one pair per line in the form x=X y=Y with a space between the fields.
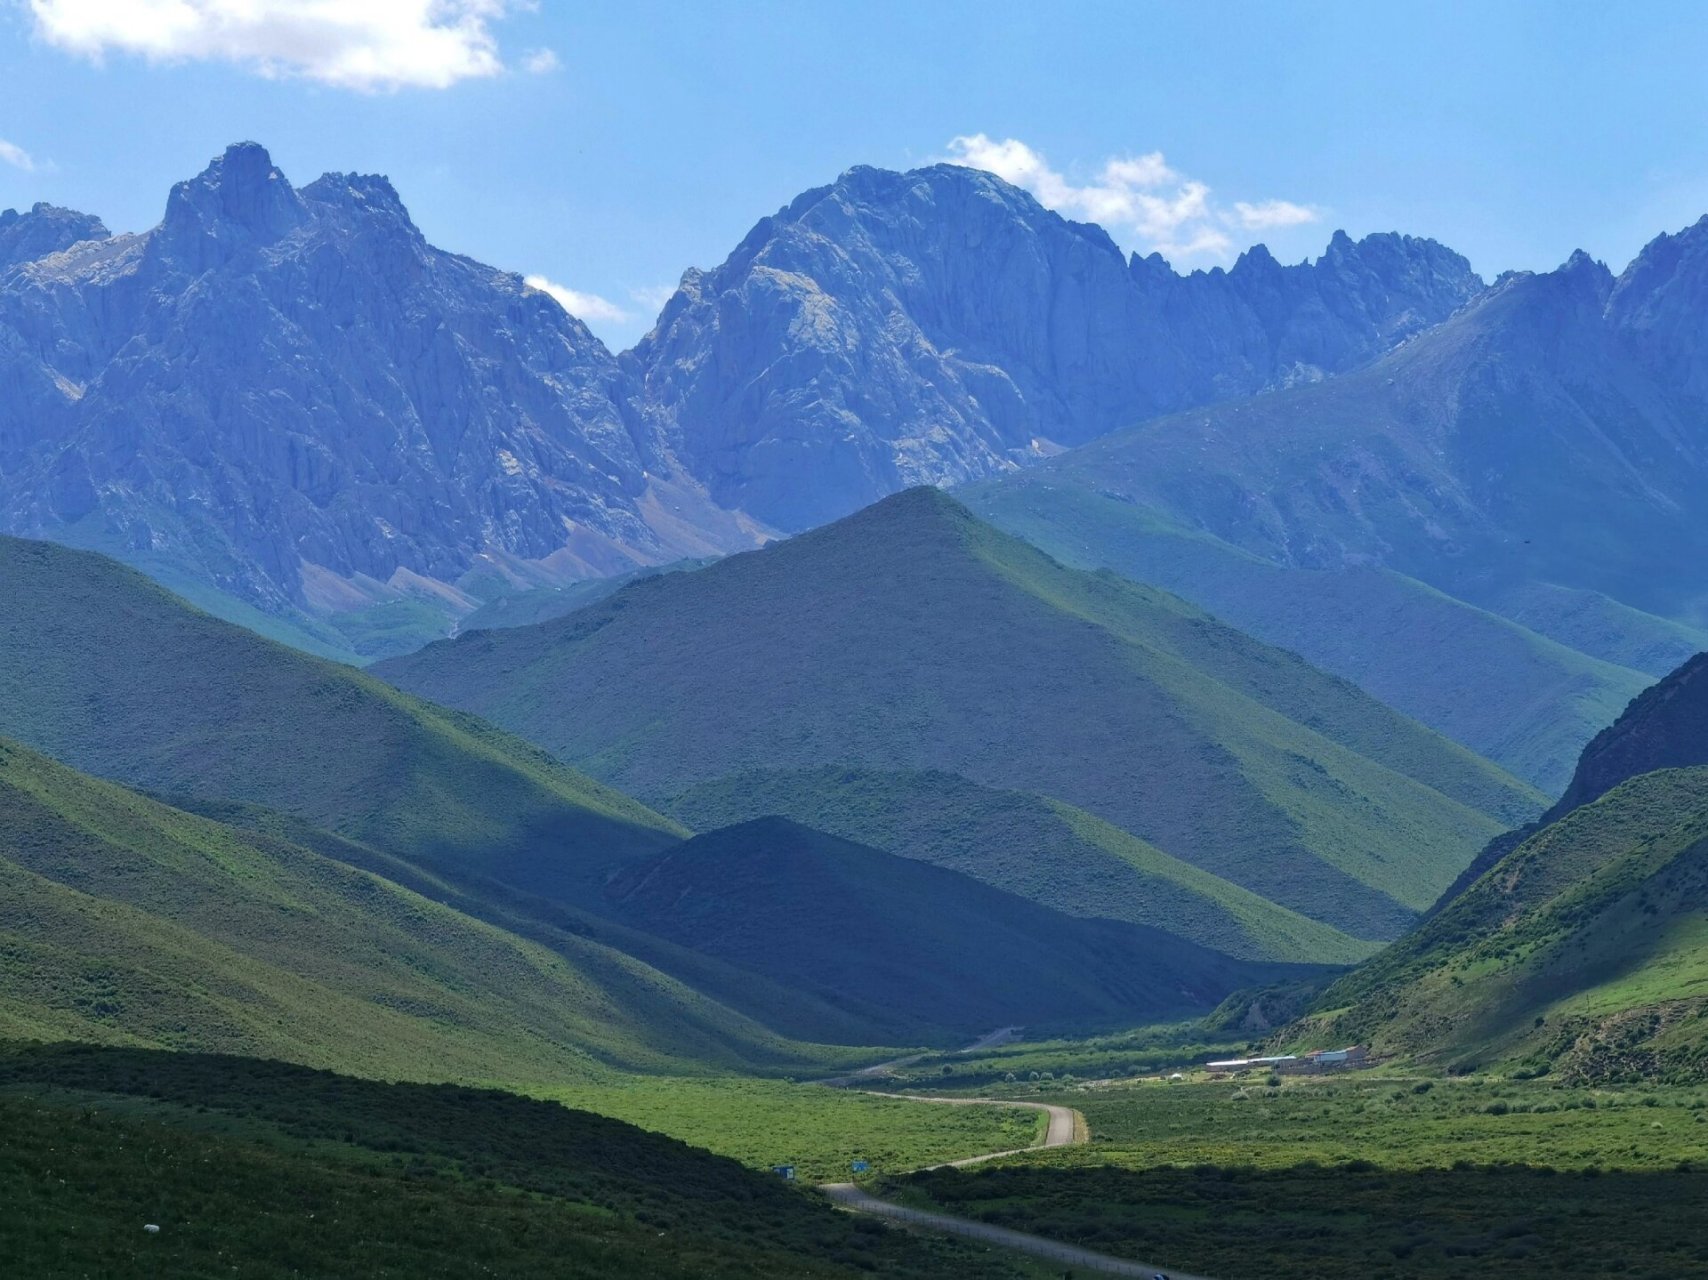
x=928 y=946
x=1579 y=944
x=1526 y=699
x=102 y=669
x=912 y=637
x=127 y=922
x=1584 y=952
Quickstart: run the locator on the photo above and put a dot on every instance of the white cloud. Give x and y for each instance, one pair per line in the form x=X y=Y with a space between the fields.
x=540 y=61
x=367 y=45
x=1140 y=198
x=1273 y=213
x=583 y=306
x=11 y=153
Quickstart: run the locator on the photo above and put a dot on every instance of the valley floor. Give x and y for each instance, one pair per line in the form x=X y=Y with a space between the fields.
x=1369 y=1176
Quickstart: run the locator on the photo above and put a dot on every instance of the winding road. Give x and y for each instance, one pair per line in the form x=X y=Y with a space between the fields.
x=1066 y=1128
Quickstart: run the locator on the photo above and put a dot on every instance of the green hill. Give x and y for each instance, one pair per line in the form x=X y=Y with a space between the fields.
x=1582 y=952
x=102 y=669
x=1038 y=848
x=1528 y=699
x=125 y=921
x=930 y=947
x=912 y=637
x=265 y=1170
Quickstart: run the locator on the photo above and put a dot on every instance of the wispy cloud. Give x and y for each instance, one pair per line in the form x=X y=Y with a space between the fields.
x=11 y=153
x=1273 y=213
x=1141 y=198
x=366 y=45
x=540 y=61
x=583 y=306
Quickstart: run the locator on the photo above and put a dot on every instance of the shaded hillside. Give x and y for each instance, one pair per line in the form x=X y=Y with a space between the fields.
x=230 y=1157
x=910 y=636
x=1583 y=952
x=104 y=670
x=1520 y=698
x=1028 y=845
x=931 y=947
x=127 y=922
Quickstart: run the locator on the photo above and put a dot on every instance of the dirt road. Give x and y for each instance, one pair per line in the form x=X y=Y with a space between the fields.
x=851 y=1197
x=1065 y=1128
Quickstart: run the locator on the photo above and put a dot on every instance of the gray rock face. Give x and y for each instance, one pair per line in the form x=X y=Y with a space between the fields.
x=45 y=229
x=941 y=325
x=292 y=394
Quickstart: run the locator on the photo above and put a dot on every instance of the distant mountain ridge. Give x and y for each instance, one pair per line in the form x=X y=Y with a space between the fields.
x=285 y=397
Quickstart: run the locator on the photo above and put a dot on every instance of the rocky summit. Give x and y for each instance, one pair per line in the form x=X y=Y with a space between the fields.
x=291 y=395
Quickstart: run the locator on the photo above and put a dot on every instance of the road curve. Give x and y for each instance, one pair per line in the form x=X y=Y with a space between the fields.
x=1065 y=1129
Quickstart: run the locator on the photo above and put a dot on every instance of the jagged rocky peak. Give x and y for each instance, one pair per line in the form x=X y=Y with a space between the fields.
x=941 y=325
x=241 y=200
x=44 y=229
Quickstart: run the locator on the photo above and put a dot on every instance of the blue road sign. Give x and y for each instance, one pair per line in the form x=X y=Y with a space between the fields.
x=784 y=1171
x=859 y=1166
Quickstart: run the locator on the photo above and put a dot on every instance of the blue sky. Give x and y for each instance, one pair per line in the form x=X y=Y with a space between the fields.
x=606 y=146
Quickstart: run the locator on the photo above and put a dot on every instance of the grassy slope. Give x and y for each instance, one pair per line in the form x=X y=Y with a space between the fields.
x=1521 y=699
x=911 y=636
x=1583 y=951
x=928 y=946
x=559 y=926
x=265 y=1170
x=1029 y=845
x=126 y=921
x=105 y=670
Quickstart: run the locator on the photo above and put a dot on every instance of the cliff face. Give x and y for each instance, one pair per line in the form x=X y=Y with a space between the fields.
x=940 y=325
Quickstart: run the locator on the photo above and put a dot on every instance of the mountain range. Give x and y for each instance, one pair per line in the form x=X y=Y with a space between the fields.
x=1374 y=458
x=417 y=433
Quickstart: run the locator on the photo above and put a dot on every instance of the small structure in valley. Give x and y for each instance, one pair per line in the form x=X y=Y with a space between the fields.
x=1277 y=1063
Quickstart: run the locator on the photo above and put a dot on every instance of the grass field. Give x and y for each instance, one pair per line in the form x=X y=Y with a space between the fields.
x=819 y=1130
x=1368 y=1176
